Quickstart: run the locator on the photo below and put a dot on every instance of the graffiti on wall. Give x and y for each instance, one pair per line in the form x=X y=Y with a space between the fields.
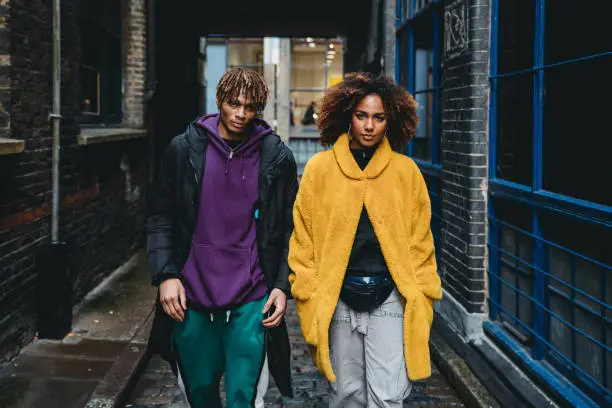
x=456 y=29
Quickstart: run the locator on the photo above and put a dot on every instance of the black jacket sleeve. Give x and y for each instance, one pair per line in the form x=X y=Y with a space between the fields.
x=160 y=233
x=291 y=187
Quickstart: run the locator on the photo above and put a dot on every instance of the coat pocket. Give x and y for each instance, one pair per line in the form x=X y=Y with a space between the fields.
x=307 y=312
x=418 y=318
x=428 y=308
x=303 y=285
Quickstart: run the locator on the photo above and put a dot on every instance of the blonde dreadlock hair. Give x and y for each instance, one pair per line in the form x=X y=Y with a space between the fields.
x=243 y=81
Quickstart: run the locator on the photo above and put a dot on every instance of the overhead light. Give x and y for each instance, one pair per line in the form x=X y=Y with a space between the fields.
x=331 y=46
x=312 y=45
x=309 y=39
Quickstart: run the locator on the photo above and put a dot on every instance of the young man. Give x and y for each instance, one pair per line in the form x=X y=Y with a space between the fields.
x=217 y=247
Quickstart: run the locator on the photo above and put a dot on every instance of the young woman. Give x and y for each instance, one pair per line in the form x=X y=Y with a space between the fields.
x=361 y=252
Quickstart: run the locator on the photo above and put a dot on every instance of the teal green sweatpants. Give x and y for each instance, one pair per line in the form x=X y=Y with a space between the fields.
x=208 y=345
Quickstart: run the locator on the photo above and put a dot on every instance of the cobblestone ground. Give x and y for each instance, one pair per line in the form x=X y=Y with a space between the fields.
x=157 y=386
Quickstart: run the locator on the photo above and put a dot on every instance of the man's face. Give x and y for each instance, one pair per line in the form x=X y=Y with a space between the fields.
x=237 y=113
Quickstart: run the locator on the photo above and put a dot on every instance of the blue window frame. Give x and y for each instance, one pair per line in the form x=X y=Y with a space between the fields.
x=418 y=69
x=550 y=216
x=419 y=39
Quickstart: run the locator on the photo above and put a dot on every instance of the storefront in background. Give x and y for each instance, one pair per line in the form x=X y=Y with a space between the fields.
x=315 y=64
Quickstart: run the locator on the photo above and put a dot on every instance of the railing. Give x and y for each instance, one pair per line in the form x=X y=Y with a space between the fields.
x=548 y=290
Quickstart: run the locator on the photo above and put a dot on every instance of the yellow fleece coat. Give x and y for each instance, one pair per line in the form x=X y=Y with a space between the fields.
x=329 y=202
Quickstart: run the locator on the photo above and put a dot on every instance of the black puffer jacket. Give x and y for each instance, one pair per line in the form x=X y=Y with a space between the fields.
x=173 y=219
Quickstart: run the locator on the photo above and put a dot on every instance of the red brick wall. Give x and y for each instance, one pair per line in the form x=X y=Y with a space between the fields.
x=135 y=62
x=102 y=216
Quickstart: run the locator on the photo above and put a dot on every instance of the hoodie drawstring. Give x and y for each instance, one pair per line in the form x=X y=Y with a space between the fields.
x=242 y=167
x=228 y=313
x=227 y=165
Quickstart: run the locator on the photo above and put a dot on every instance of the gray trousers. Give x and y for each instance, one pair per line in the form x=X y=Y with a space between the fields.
x=367 y=356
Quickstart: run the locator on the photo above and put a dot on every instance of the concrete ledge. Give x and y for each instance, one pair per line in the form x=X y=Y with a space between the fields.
x=11 y=146
x=126 y=284
x=90 y=136
x=114 y=389
x=454 y=368
x=475 y=370
x=455 y=315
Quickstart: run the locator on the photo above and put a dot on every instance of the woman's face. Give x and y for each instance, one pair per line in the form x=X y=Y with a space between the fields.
x=369 y=122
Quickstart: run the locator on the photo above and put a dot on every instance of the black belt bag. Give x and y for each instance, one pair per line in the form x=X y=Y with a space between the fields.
x=366 y=293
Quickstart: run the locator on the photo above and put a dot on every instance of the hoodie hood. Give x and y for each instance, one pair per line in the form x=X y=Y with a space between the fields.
x=256 y=131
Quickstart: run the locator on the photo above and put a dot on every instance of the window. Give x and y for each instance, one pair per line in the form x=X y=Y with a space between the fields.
x=245 y=52
x=558 y=75
x=404 y=9
x=412 y=7
x=424 y=90
x=578 y=289
x=402 y=72
x=515 y=92
x=101 y=61
x=419 y=36
x=419 y=40
x=514 y=128
x=575 y=160
x=514 y=249
x=550 y=214
x=316 y=65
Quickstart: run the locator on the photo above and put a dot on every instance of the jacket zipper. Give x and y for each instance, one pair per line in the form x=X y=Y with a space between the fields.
x=198 y=182
x=270 y=176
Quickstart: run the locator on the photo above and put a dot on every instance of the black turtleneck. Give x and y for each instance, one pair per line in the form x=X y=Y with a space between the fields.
x=363 y=156
x=366 y=256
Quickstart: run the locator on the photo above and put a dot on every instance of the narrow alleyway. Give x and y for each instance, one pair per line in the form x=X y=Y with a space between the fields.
x=157 y=387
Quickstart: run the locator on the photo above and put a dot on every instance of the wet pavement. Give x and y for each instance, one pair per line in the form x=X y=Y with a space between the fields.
x=97 y=357
x=157 y=386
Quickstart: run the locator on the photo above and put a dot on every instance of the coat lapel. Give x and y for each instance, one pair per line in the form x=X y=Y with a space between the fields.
x=349 y=166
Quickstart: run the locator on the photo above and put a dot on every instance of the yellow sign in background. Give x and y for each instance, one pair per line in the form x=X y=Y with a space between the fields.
x=334 y=80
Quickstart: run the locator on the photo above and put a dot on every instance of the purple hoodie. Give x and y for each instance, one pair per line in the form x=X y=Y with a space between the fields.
x=223 y=269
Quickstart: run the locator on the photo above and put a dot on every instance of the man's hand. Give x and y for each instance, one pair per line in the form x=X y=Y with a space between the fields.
x=173 y=299
x=278 y=299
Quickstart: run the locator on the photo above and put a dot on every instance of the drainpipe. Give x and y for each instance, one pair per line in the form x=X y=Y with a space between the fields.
x=55 y=117
x=54 y=297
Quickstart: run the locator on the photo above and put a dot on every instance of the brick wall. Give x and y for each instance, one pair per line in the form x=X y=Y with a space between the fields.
x=464 y=155
x=5 y=66
x=135 y=32
x=102 y=186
